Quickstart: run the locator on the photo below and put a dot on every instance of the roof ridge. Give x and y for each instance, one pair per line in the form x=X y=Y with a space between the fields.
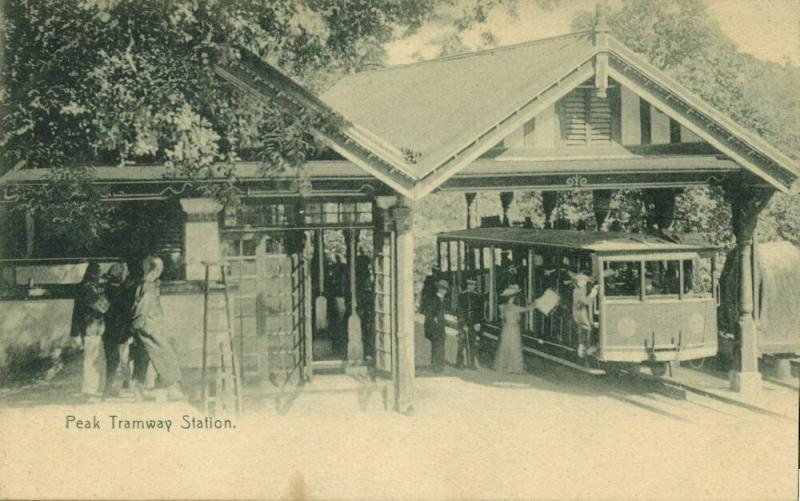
x=464 y=55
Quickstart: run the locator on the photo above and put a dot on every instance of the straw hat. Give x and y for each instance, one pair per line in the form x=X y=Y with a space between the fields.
x=442 y=284
x=511 y=290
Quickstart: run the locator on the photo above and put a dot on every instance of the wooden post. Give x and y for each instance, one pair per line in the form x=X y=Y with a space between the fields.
x=506 y=197
x=403 y=218
x=601 y=199
x=471 y=209
x=746 y=204
x=355 y=345
x=660 y=208
x=30 y=232
x=549 y=199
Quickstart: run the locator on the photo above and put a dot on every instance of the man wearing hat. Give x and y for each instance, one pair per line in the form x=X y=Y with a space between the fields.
x=437 y=322
x=427 y=301
x=470 y=314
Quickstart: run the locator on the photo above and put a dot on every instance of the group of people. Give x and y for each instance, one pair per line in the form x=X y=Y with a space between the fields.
x=339 y=300
x=508 y=356
x=119 y=321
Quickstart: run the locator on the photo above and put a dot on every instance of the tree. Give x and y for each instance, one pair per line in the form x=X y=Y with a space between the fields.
x=681 y=38
x=88 y=82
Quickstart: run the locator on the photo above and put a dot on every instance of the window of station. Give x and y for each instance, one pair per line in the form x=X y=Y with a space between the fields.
x=662 y=278
x=697 y=276
x=338 y=213
x=622 y=278
x=257 y=214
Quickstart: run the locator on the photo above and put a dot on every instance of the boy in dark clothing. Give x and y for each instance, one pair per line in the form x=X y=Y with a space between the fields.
x=118 y=324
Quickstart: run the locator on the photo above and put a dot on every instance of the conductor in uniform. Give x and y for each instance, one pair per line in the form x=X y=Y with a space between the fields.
x=470 y=314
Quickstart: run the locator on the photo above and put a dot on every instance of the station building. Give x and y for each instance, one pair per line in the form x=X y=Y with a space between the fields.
x=573 y=112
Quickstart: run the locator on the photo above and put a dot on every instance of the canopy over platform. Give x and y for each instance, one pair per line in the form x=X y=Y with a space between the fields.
x=594 y=241
x=416 y=126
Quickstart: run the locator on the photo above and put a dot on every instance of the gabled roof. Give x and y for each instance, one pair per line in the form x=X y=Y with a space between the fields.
x=414 y=126
x=436 y=107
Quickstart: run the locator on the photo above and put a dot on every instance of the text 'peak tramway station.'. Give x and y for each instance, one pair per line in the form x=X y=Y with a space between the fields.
x=319 y=275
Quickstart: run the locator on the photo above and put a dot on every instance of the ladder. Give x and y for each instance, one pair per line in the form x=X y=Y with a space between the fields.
x=222 y=394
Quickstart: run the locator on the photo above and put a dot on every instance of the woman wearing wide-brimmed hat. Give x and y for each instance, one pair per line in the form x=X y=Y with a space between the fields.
x=508 y=357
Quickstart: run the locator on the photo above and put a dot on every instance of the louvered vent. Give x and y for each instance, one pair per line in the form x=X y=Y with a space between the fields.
x=585 y=118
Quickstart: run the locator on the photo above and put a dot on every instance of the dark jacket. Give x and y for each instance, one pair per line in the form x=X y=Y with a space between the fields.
x=470 y=308
x=89 y=299
x=119 y=315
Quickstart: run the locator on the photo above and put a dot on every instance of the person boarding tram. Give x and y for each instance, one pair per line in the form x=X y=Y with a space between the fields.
x=582 y=306
x=470 y=314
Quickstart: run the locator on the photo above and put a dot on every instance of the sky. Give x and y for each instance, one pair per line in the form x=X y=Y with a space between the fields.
x=767 y=29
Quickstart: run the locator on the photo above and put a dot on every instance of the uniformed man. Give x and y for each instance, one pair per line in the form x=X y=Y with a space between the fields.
x=438 y=332
x=470 y=314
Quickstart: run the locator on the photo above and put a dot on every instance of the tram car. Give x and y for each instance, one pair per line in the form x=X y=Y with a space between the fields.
x=656 y=300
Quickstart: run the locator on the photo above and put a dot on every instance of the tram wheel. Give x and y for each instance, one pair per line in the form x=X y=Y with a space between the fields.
x=697 y=363
x=658 y=370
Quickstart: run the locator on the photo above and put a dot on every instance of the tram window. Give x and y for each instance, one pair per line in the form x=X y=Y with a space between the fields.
x=662 y=278
x=622 y=278
x=697 y=278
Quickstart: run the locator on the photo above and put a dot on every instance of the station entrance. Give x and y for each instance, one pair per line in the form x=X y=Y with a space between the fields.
x=306 y=282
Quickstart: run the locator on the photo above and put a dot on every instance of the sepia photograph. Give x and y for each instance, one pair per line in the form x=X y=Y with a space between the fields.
x=400 y=249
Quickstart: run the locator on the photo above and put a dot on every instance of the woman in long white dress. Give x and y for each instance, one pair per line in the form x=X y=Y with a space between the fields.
x=508 y=357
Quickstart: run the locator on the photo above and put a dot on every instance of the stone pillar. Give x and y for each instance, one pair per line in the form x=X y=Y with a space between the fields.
x=746 y=204
x=549 y=199
x=601 y=200
x=472 y=209
x=403 y=216
x=201 y=236
x=506 y=197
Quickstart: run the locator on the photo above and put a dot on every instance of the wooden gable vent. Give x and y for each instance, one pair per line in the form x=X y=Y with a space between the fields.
x=586 y=118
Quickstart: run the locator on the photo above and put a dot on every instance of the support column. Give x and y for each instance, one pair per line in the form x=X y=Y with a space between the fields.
x=472 y=209
x=549 y=199
x=200 y=236
x=506 y=197
x=746 y=204
x=30 y=235
x=403 y=217
x=601 y=200
x=660 y=208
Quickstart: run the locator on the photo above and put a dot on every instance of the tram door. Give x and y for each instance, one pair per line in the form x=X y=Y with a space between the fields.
x=269 y=312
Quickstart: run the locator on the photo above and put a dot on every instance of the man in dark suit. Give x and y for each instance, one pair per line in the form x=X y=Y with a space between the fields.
x=470 y=314
x=438 y=333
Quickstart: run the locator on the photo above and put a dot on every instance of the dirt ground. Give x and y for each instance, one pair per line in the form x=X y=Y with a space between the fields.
x=551 y=434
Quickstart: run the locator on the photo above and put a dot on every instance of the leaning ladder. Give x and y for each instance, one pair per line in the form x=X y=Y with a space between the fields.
x=221 y=395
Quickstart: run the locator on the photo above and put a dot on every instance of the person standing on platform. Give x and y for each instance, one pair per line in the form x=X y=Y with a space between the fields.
x=438 y=333
x=117 y=336
x=148 y=330
x=508 y=358
x=427 y=300
x=340 y=285
x=470 y=313
x=88 y=324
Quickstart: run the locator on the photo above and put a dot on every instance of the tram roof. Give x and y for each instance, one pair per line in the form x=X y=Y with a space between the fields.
x=596 y=241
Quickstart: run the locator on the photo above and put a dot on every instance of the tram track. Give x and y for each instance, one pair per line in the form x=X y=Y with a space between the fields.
x=663 y=396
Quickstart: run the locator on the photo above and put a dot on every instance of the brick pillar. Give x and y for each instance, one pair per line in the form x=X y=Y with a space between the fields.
x=200 y=236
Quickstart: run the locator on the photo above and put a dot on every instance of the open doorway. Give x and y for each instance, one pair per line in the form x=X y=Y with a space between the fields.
x=341 y=289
